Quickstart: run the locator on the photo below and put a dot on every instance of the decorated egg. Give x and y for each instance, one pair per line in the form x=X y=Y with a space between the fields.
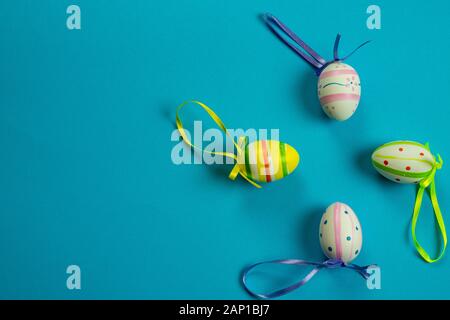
x=339 y=87
x=341 y=240
x=339 y=90
x=258 y=161
x=403 y=161
x=267 y=160
x=340 y=233
x=412 y=162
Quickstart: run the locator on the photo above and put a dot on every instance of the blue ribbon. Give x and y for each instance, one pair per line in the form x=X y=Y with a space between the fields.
x=306 y=53
x=328 y=264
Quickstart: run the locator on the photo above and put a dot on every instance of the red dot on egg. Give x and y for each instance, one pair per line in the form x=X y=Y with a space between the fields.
x=422 y=154
x=408 y=168
x=400 y=149
x=386 y=162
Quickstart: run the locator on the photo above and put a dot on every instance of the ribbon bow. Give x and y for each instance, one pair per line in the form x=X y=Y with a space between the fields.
x=425 y=183
x=312 y=57
x=328 y=264
x=236 y=170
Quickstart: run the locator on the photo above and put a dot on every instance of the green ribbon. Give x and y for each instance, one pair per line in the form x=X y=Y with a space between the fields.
x=425 y=183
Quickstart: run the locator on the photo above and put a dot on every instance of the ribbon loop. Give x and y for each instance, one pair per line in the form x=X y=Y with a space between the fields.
x=336 y=47
x=425 y=183
x=236 y=169
x=329 y=264
x=312 y=57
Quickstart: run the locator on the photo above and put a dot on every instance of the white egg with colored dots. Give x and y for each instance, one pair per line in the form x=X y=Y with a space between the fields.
x=267 y=160
x=340 y=233
x=403 y=161
x=339 y=90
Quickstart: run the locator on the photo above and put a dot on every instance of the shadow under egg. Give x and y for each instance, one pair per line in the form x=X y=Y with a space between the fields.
x=306 y=90
x=308 y=238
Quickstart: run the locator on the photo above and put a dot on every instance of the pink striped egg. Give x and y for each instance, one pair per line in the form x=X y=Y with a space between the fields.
x=339 y=90
x=340 y=233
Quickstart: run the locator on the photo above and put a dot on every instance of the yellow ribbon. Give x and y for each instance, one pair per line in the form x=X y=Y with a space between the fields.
x=236 y=169
x=425 y=183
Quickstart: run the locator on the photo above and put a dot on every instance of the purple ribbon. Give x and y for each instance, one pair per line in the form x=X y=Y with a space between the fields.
x=329 y=264
x=314 y=59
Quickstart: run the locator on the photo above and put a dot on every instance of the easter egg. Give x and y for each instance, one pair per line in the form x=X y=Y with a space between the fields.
x=339 y=90
x=267 y=160
x=403 y=161
x=340 y=233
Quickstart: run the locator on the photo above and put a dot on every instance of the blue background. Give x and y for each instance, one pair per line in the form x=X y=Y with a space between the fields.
x=86 y=117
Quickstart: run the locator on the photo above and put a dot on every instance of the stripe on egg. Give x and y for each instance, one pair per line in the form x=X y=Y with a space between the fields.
x=337 y=230
x=276 y=160
x=252 y=154
x=399 y=172
x=352 y=224
x=248 y=169
x=266 y=160
x=283 y=159
x=339 y=97
x=259 y=162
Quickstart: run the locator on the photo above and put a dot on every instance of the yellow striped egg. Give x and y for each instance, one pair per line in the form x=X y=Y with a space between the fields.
x=267 y=160
x=339 y=90
x=340 y=233
x=403 y=161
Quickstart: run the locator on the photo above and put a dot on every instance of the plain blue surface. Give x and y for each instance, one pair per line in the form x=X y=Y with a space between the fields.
x=86 y=117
